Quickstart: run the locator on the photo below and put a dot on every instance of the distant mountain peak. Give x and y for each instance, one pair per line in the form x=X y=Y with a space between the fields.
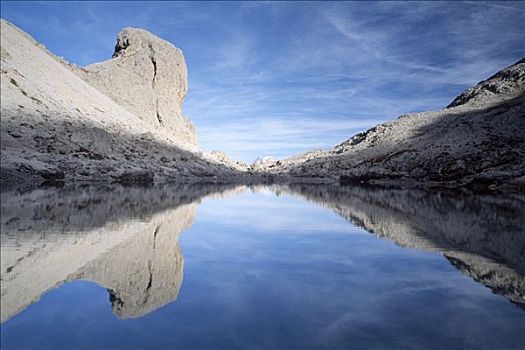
x=263 y=160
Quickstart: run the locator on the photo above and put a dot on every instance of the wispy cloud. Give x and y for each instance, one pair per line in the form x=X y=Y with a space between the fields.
x=282 y=137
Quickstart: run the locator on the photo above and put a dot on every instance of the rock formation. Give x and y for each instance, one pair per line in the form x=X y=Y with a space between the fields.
x=65 y=123
x=262 y=162
x=148 y=77
x=478 y=142
x=506 y=84
x=121 y=120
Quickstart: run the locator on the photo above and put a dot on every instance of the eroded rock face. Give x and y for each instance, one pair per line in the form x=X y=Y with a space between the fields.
x=147 y=76
x=478 y=143
x=509 y=82
x=65 y=123
x=121 y=120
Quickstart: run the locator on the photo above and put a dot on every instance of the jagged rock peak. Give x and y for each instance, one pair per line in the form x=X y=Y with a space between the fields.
x=148 y=76
x=137 y=38
x=507 y=83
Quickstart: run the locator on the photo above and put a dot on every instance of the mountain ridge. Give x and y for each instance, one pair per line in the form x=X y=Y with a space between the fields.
x=55 y=126
x=478 y=141
x=121 y=120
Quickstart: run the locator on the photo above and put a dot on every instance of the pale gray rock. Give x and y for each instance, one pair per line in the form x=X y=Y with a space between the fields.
x=61 y=122
x=478 y=142
x=56 y=126
x=148 y=77
x=223 y=158
x=263 y=160
x=507 y=83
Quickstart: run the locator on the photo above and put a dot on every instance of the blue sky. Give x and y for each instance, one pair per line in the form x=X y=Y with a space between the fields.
x=279 y=78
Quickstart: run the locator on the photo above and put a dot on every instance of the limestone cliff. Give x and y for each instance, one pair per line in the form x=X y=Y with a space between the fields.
x=121 y=120
x=148 y=77
x=57 y=126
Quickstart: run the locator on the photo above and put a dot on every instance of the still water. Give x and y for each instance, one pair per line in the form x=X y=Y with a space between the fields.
x=261 y=267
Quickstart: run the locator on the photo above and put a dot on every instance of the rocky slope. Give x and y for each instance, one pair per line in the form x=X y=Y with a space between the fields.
x=478 y=141
x=121 y=120
x=118 y=120
x=505 y=84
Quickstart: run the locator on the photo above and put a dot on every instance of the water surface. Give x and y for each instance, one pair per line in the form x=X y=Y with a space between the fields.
x=261 y=267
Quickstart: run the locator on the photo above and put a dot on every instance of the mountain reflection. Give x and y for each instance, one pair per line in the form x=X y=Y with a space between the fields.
x=481 y=235
x=126 y=239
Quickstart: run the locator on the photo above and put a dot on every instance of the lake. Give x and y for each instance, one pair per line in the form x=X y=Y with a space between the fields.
x=296 y=266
